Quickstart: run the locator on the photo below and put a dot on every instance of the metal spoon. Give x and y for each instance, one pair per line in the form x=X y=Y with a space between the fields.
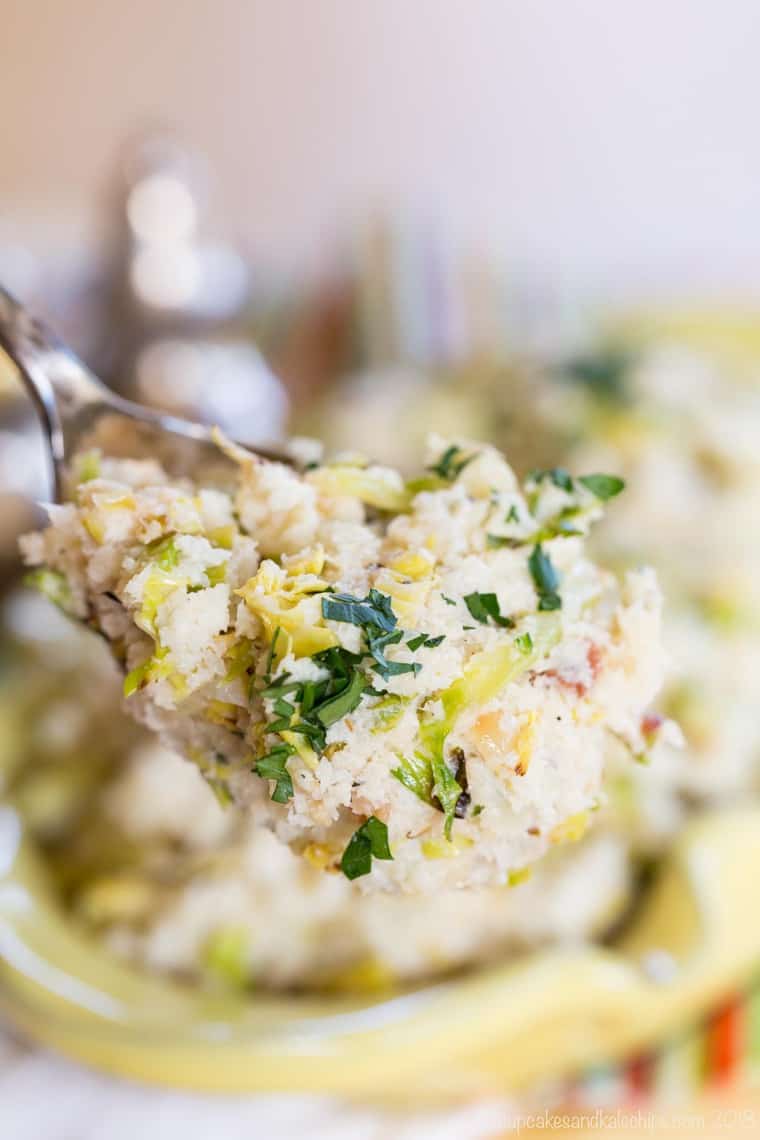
x=77 y=411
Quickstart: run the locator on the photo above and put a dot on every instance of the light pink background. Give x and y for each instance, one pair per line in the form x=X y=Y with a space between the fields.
x=599 y=140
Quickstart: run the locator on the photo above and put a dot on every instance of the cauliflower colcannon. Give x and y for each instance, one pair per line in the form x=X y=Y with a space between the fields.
x=414 y=683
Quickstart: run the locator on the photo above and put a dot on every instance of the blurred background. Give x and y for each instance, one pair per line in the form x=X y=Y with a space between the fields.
x=531 y=223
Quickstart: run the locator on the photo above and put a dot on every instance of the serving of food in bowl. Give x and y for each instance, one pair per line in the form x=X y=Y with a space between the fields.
x=344 y=737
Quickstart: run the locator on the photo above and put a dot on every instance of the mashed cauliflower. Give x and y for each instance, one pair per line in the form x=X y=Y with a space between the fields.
x=225 y=902
x=684 y=432
x=415 y=683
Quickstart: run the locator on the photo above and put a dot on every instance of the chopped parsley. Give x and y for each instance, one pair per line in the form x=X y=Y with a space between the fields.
x=545 y=579
x=345 y=702
x=374 y=610
x=309 y=708
x=512 y=515
x=273 y=766
x=603 y=374
x=451 y=463
x=603 y=486
x=448 y=601
x=374 y=614
x=558 y=476
x=524 y=643
x=368 y=841
x=424 y=640
x=485 y=608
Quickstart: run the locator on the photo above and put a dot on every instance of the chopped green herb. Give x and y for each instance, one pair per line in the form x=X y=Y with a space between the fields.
x=424 y=639
x=375 y=609
x=448 y=601
x=344 y=703
x=270 y=656
x=512 y=515
x=545 y=579
x=273 y=766
x=309 y=695
x=524 y=642
x=603 y=486
x=604 y=374
x=376 y=646
x=452 y=463
x=497 y=541
x=376 y=617
x=477 y=809
x=558 y=475
x=485 y=607
x=371 y=839
x=279 y=686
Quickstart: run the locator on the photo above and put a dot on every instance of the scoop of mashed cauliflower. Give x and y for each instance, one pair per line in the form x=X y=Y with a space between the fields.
x=412 y=682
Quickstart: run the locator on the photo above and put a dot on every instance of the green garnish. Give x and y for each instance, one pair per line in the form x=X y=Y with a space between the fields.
x=374 y=614
x=424 y=639
x=512 y=515
x=558 y=475
x=524 y=642
x=374 y=610
x=273 y=766
x=448 y=601
x=452 y=463
x=545 y=578
x=342 y=704
x=371 y=839
x=485 y=607
x=603 y=486
x=603 y=374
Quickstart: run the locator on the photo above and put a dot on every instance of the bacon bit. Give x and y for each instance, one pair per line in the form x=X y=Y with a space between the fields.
x=651 y=723
x=580 y=688
x=594 y=658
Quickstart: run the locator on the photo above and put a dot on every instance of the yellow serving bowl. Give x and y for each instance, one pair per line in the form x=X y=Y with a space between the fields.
x=696 y=939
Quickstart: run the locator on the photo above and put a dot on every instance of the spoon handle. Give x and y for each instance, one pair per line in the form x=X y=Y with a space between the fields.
x=57 y=381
